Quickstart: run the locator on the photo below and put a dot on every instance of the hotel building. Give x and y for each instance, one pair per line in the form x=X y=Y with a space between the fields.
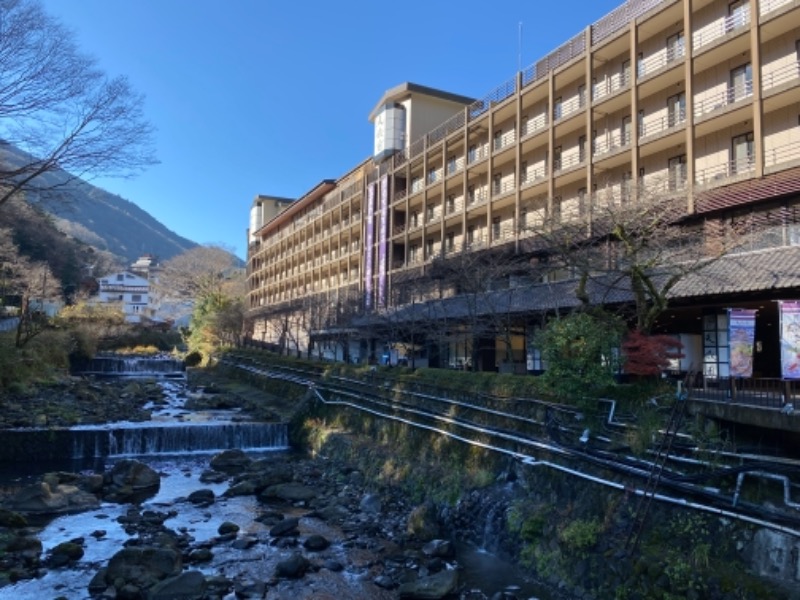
x=693 y=97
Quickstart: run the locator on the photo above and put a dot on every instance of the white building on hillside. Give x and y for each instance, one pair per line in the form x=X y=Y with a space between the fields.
x=131 y=291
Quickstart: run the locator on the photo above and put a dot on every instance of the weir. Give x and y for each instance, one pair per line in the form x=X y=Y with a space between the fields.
x=133 y=366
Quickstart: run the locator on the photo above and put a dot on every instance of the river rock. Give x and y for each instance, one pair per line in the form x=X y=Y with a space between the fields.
x=41 y=499
x=190 y=585
x=289 y=492
x=129 y=479
x=293 y=567
x=230 y=461
x=423 y=522
x=316 y=543
x=227 y=528
x=13 y=520
x=142 y=566
x=287 y=527
x=203 y=497
x=432 y=587
x=66 y=553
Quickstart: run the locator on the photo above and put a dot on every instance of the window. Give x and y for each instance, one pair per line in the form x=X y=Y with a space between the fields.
x=557 y=158
x=136 y=298
x=676 y=109
x=742 y=153
x=496 y=228
x=741 y=84
x=471 y=193
x=640 y=124
x=675 y=47
x=626 y=130
x=432 y=175
x=451 y=241
x=676 y=168
x=640 y=67
x=120 y=277
x=430 y=212
x=471 y=154
x=557 y=108
x=523 y=218
x=413 y=253
x=523 y=172
x=471 y=234
x=582 y=201
x=625 y=72
x=414 y=219
x=498 y=139
x=581 y=95
x=626 y=185
x=451 y=203
x=738 y=15
x=429 y=248
x=451 y=164
x=582 y=148
x=497 y=183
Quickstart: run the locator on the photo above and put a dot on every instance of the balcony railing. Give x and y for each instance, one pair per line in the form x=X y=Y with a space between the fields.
x=781 y=75
x=613 y=140
x=503 y=232
x=567 y=162
x=767 y=6
x=477 y=197
x=478 y=153
x=653 y=63
x=715 y=102
x=533 y=175
x=663 y=123
x=534 y=124
x=720 y=174
x=434 y=176
x=454 y=206
x=782 y=154
x=610 y=85
x=505 y=140
x=569 y=107
x=455 y=165
x=417 y=184
x=722 y=27
x=503 y=187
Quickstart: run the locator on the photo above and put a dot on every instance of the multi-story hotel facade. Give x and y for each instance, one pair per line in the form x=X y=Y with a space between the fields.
x=699 y=98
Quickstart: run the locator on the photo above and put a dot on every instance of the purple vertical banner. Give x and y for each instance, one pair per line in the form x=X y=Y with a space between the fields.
x=790 y=339
x=369 y=236
x=741 y=333
x=383 y=241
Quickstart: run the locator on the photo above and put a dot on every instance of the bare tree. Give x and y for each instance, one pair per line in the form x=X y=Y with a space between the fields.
x=202 y=274
x=637 y=245
x=58 y=111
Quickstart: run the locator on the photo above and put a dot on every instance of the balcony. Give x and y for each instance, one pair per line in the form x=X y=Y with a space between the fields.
x=455 y=165
x=656 y=62
x=532 y=176
x=500 y=188
x=720 y=100
x=477 y=153
x=658 y=125
x=454 y=206
x=435 y=176
x=567 y=163
x=610 y=86
x=569 y=107
x=767 y=6
x=534 y=124
x=780 y=76
x=477 y=197
x=505 y=140
x=503 y=233
x=736 y=22
x=610 y=142
x=782 y=156
x=726 y=172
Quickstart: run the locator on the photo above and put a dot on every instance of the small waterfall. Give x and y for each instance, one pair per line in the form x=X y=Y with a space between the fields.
x=179 y=439
x=122 y=366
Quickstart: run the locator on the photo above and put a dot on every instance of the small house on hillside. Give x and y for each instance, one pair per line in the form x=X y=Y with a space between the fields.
x=131 y=291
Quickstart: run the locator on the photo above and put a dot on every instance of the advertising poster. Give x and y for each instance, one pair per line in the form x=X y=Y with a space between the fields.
x=742 y=333
x=790 y=339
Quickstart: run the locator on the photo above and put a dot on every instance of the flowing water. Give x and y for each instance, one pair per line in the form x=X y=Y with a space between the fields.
x=178 y=443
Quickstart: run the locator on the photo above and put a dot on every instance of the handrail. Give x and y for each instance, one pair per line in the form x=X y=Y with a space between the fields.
x=733 y=94
x=721 y=27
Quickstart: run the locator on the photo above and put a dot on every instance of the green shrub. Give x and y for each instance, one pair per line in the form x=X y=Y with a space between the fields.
x=581 y=534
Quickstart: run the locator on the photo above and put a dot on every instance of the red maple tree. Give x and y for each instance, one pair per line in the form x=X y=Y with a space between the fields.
x=649 y=354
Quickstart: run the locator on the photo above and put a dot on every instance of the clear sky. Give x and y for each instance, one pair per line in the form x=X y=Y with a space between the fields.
x=271 y=96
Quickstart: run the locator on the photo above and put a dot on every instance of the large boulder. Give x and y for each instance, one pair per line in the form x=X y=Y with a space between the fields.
x=42 y=499
x=288 y=492
x=231 y=461
x=293 y=567
x=130 y=480
x=142 y=566
x=190 y=585
x=432 y=587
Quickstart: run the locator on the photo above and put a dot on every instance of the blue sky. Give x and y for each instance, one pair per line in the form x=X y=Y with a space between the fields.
x=270 y=97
